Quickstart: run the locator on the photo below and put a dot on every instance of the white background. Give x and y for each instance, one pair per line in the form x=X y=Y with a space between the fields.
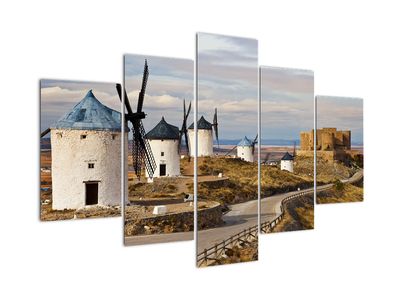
x=353 y=48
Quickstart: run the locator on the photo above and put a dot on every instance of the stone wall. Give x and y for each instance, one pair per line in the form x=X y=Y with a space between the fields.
x=177 y=222
x=328 y=139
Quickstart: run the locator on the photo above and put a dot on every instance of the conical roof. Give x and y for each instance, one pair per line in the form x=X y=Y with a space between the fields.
x=245 y=142
x=90 y=114
x=163 y=131
x=202 y=124
x=287 y=156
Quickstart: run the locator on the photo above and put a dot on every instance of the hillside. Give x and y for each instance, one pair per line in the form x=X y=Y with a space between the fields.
x=241 y=180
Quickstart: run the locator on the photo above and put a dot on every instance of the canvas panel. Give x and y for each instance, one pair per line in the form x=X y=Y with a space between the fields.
x=80 y=169
x=227 y=168
x=159 y=177
x=287 y=172
x=339 y=149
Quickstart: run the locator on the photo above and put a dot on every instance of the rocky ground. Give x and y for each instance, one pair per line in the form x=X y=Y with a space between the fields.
x=245 y=252
x=139 y=219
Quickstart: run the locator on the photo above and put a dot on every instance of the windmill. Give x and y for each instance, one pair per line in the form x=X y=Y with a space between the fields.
x=215 y=125
x=183 y=131
x=251 y=144
x=141 y=151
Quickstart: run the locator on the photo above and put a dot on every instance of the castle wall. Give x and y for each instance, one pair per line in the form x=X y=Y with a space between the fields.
x=71 y=155
x=328 y=139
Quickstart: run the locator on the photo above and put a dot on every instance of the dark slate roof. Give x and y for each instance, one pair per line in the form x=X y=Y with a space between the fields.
x=287 y=156
x=90 y=114
x=245 y=142
x=163 y=131
x=202 y=124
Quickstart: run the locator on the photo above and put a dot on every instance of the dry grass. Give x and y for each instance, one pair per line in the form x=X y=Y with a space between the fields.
x=160 y=188
x=299 y=215
x=242 y=181
x=341 y=194
x=48 y=214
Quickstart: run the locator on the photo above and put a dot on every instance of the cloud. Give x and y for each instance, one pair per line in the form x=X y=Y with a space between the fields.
x=287 y=102
x=228 y=81
x=58 y=97
x=342 y=113
x=170 y=82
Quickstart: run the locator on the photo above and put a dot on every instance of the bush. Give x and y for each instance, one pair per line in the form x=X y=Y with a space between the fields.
x=338 y=185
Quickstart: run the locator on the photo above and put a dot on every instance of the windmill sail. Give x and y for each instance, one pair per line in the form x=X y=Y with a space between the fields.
x=141 y=150
x=253 y=145
x=215 y=125
x=43 y=133
x=183 y=131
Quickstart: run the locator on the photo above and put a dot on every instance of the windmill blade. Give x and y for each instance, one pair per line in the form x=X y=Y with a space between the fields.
x=126 y=100
x=183 y=126
x=255 y=140
x=183 y=131
x=141 y=151
x=253 y=145
x=266 y=157
x=215 y=124
x=230 y=150
x=43 y=133
x=149 y=161
x=143 y=89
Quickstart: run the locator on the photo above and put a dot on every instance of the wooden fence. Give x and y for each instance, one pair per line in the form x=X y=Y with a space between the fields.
x=214 y=253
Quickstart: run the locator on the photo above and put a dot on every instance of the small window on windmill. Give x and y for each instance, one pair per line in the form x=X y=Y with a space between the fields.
x=91 y=165
x=113 y=136
x=59 y=135
x=162 y=153
x=83 y=136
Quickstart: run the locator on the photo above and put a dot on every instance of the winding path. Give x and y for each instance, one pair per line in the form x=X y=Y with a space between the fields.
x=240 y=217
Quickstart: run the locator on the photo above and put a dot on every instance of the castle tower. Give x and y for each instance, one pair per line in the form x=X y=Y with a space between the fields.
x=86 y=156
x=164 y=143
x=204 y=138
x=245 y=150
x=328 y=141
x=287 y=162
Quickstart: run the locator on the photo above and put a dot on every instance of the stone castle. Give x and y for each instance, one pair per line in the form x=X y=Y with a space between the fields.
x=328 y=139
x=332 y=144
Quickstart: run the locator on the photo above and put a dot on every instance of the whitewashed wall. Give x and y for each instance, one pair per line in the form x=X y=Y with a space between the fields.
x=171 y=156
x=245 y=153
x=287 y=165
x=70 y=158
x=205 y=142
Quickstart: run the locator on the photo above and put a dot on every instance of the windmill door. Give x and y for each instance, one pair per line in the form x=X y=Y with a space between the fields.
x=163 y=169
x=92 y=193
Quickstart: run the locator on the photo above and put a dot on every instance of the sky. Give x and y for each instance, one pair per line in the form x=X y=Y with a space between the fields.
x=170 y=82
x=287 y=102
x=344 y=113
x=58 y=97
x=228 y=81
